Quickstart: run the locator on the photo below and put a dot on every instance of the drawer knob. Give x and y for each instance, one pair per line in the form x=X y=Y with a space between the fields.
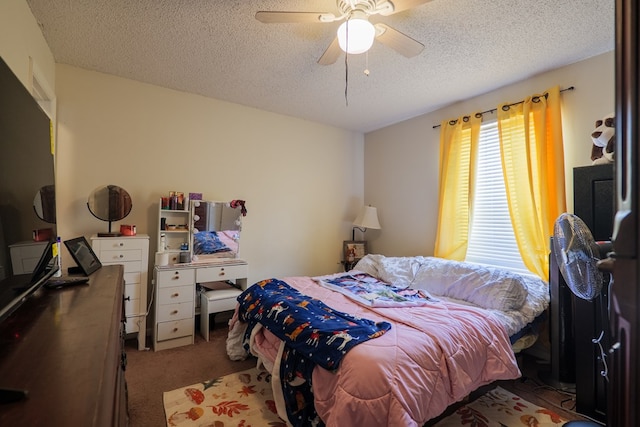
x=174 y=312
x=175 y=295
x=222 y=273
x=120 y=256
x=121 y=244
x=175 y=329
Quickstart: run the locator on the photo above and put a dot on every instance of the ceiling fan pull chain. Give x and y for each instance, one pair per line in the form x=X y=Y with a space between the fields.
x=366 y=64
x=346 y=71
x=346 y=78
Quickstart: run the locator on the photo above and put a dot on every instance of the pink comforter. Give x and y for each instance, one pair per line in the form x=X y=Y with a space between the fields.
x=432 y=357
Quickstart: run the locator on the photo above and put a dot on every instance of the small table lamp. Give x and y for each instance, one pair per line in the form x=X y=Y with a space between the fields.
x=367 y=218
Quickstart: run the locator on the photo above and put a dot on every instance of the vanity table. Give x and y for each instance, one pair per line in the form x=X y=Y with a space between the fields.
x=175 y=288
x=213 y=240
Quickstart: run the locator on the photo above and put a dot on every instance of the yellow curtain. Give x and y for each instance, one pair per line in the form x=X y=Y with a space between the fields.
x=458 y=152
x=533 y=166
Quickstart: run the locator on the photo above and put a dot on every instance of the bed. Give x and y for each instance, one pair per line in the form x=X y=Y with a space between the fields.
x=452 y=328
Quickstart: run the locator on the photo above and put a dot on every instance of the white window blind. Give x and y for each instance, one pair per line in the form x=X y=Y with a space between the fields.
x=491 y=238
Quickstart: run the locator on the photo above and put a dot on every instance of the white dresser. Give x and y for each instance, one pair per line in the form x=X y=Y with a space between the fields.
x=133 y=253
x=175 y=302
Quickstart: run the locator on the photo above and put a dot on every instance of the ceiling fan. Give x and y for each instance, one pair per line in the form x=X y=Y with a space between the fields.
x=356 y=34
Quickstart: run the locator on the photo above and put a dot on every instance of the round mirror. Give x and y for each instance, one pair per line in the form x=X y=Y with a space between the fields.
x=44 y=204
x=109 y=203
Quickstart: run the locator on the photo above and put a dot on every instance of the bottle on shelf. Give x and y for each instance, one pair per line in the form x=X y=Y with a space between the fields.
x=163 y=242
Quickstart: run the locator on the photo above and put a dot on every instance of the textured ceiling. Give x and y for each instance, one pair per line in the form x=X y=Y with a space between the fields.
x=217 y=48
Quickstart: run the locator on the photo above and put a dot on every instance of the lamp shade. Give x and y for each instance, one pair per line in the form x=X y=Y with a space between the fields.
x=356 y=35
x=367 y=218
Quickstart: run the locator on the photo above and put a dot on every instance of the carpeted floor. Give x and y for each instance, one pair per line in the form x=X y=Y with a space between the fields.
x=149 y=374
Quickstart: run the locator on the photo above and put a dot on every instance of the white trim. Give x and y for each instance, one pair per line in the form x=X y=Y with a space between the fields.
x=40 y=90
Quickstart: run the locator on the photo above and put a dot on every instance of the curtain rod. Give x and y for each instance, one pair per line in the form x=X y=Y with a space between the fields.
x=510 y=105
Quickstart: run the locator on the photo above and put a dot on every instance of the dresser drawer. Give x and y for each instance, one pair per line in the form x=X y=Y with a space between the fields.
x=175 y=294
x=129 y=266
x=167 y=278
x=133 y=325
x=121 y=255
x=177 y=329
x=132 y=292
x=132 y=278
x=123 y=244
x=172 y=312
x=223 y=272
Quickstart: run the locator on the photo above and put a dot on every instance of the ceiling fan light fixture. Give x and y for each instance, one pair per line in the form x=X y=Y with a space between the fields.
x=360 y=35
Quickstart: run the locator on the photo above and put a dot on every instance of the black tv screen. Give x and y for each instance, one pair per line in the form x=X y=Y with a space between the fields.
x=26 y=168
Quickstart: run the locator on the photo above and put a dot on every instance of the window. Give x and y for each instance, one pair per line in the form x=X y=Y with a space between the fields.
x=491 y=238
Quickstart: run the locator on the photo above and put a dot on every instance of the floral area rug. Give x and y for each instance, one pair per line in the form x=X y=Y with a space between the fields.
x=241 y=399
x=500 y=408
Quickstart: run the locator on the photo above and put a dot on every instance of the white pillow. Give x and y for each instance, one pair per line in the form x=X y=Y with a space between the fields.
x=369 y=264
x=488 y=287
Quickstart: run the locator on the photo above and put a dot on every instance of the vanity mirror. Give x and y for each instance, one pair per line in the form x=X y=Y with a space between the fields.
x=215 y=231
x=44 y=204
x=109 y=203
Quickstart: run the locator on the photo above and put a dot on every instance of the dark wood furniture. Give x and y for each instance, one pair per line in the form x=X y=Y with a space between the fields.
x=594 y=198
x=66 y=348
x=594 y=203
x=624 y=387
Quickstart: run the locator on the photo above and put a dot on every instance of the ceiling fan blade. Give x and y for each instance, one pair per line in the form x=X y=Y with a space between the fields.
x=267 y=17
x=398 y=41
x=331 y=54
x=400 y=5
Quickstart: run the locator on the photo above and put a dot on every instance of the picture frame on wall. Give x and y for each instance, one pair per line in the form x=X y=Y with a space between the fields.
x=354 y=250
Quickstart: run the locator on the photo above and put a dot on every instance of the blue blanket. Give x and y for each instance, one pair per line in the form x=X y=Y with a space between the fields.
x=314 y=334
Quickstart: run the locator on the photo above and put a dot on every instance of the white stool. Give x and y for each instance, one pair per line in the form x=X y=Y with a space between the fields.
x=216 y=301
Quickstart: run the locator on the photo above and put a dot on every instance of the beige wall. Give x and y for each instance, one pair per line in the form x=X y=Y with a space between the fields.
x=22 y=45
x=302 y=181
x=401 y=161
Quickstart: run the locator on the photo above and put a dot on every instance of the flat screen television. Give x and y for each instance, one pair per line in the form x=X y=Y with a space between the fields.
x=26 y=167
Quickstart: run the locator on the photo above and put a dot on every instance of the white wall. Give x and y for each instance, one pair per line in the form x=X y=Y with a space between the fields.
x=401 y=161
x=302 y=181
